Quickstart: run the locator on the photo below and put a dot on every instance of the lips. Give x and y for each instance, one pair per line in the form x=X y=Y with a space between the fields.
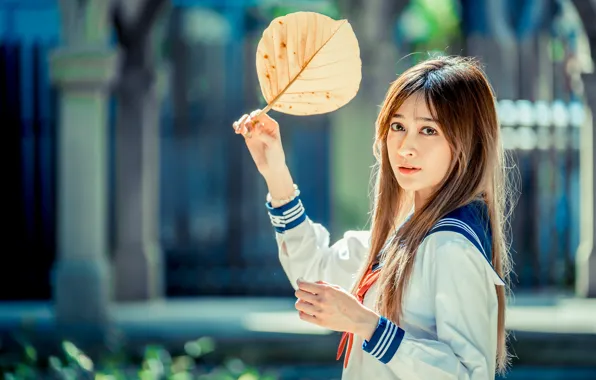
x=406 y=170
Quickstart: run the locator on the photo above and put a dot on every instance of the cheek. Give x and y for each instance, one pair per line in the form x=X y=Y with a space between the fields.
x=443 y=159
x=438 y=157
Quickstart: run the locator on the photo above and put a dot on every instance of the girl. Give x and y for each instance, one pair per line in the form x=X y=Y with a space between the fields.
x=428 y=282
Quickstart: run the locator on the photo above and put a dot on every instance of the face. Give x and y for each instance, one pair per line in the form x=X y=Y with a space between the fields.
x=418 y=151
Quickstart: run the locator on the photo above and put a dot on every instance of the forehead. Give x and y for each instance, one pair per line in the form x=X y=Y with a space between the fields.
x=414 y=107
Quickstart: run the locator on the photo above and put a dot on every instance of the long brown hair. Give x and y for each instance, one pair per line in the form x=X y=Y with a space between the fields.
x=462 y=100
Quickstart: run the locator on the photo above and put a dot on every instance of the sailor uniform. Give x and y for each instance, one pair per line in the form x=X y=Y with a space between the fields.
x=448 y=328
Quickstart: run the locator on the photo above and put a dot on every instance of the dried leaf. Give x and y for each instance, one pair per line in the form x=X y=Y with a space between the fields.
x=308 y=64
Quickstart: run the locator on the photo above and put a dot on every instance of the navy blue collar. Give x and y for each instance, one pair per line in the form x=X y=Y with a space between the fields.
x=471 y=220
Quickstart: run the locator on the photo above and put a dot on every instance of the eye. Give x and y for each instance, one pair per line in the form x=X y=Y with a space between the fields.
x=396 y=127
x=429 y=131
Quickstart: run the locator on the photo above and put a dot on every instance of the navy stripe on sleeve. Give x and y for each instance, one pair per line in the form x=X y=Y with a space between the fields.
x=385 y=340
x=287 y=216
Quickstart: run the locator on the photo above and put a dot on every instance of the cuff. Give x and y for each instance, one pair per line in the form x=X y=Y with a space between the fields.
x=385 y=340
x=287 y=216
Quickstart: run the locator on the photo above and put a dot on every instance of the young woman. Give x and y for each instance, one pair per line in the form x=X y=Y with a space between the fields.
x=422 y=294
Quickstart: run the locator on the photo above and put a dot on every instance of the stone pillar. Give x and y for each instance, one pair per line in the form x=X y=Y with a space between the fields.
x=585 y=264
x=82 y=69
x=138 y=267
x=138 y=262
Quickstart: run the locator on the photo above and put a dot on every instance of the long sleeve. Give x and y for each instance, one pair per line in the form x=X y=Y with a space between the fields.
x=466 y=320
x=305 y=250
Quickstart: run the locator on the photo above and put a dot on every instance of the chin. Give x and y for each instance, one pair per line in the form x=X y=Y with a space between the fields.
x=408 y=185
x=410 y=189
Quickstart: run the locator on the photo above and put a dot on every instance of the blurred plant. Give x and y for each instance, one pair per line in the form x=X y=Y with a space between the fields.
x=156 y=364
x=277 y=8
x=429 y=24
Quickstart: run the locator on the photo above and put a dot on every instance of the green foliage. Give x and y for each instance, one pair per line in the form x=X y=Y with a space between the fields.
x=156 y=364
x=276 y=8
x=430 y=24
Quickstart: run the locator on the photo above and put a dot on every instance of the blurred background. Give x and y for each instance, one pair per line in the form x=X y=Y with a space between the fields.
x=137 y=241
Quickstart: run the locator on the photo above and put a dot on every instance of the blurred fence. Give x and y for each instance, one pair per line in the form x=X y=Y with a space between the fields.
x=201 y=205
x=544 y=141
x=27 y=109
x=214 y=230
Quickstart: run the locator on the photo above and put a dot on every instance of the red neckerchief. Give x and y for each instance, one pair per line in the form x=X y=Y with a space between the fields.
x=367 y=281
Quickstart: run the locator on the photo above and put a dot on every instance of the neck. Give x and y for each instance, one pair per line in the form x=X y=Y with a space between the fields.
x=406 y=208
x=420 y=197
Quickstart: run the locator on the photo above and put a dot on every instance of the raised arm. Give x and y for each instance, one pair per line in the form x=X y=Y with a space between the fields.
x=304 y=246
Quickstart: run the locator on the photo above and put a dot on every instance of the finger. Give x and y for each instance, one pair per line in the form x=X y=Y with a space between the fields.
x=242 y=120
x=309 y=318
x=246 y=122
x=247 y=127
x=307 y=307
x=242 y=130
x=310 y=287
x=237 y=127
x=308 y=297
x=258 y=118
x=239 y=123
x=250 y=125
x=257 y=126
x=331 y=285
x=255 y=113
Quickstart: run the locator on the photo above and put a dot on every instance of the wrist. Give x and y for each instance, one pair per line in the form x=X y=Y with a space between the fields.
x=279 y=182
x=278 y=202
x=272 y=174
x=367 y=324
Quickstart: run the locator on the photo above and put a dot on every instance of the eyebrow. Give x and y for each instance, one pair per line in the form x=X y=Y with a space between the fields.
x=400 y=116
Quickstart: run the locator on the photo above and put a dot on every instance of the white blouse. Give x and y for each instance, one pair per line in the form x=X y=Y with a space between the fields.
x=449 y=324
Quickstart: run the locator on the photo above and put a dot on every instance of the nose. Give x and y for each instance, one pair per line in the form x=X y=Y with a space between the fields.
x=407 y=148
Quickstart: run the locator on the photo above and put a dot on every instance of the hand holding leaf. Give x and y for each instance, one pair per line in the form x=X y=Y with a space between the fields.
x=307 y=64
